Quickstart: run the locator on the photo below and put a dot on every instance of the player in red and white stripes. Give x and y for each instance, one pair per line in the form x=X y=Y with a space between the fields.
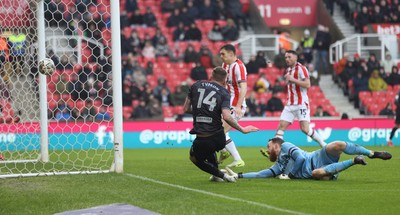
x=298 y=106
x=237 y=86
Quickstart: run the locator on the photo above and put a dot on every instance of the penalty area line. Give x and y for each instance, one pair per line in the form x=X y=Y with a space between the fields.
x=215 y=195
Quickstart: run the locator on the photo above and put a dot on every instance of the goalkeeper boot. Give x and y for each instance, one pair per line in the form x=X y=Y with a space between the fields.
x=223 y=155
x=381 y=155
x=236 y=163
x=359 y=160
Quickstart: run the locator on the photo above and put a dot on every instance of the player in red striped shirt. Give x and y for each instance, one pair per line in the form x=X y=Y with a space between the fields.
x=237 y=86
x=297 y=107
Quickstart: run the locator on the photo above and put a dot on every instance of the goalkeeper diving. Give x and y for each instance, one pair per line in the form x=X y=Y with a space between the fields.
x=322 y=164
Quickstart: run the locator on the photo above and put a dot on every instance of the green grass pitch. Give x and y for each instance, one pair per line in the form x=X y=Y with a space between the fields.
x=165 y=181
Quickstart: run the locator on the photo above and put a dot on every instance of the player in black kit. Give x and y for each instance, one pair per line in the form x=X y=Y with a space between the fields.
x=209 y=102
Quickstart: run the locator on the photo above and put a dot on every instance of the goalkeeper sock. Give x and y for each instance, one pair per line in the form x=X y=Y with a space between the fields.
x=354 y=149
x=338 y=167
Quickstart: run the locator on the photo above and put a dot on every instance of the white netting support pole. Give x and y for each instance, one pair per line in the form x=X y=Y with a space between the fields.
x=117 y=86
x=44 y=133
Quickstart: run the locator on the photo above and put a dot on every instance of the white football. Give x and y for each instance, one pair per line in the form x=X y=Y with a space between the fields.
x=46 y=66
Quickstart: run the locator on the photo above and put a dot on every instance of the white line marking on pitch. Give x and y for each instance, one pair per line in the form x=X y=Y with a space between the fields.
x=216 y=195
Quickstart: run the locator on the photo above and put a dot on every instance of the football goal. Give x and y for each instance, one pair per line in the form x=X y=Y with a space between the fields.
x=68 y=122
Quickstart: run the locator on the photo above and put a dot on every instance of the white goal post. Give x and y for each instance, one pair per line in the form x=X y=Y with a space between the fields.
x=71 y=121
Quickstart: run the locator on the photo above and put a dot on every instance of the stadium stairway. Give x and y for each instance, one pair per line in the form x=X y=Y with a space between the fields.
x=346 y=28
x=246 y=45
x=336 y=97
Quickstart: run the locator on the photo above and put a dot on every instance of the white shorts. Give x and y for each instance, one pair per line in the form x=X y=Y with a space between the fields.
x=291 y=112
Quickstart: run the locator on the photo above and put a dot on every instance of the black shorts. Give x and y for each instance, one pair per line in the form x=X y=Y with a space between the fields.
x=397 y=120
x=203 y=147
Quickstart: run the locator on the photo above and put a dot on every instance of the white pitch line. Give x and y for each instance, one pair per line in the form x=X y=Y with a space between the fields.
x=217 y=195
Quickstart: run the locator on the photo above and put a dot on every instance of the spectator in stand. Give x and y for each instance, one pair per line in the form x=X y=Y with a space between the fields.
x=215 y=34
x=139 y=78
x=321 y=45
x=64 y=114
x=147 y=38
x=149 y=68
x=376 y=83
x=158 y=37
x=230 y=31
x=362 y=19
x=314 y=76
x=205 y=57
x=348 y=72
x=252 y=66
x=136 y=19
x=320 y=112
x=62 y=84
x=394 y=77
x=262 y=84
x=89 y=112
x=388 y=63
x=306 y=45
x=162 y=49
x=175 y=18
x=193 y=33
x=258 y=112
x=363 y=68
x=387 y=111
x=284 y=42
x=154 y=107
x=148 y=51
x=131 y=6
x=190 y=55
x=162 y=84
x=208 y=11
x=131 y=43
x=54 y=11
x=222 y=11
x=141 y=111
x=74 y=87
x=274 y=103
x=168 y=6
x=372 y=64
x=198 y=72
x=186 y=17
x=149 y=19
x=145 y=94
x=279 y=86
x=102 y=115
x=136 y=92
x=356 y=60
x=235 y=9
x=55 y=59
x=83 y=5
x=377 y=16
x=279 y=59
x=165 y=98
x=261 y=59
x=192 y=11
x=179 y=96
x=252 y=103
x=179 y=33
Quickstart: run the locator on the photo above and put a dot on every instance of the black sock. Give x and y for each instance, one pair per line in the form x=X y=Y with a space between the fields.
x=392 y=133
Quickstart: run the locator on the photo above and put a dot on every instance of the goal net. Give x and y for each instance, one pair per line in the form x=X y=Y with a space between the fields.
x=65 y=123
